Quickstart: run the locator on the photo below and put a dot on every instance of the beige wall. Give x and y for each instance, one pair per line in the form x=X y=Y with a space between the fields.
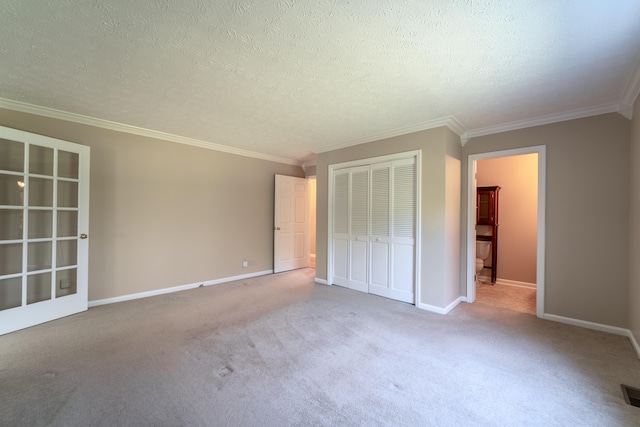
x=587 y=213
x=164 y=214
x=440 y=166
x=634 y=252
x=517 y=177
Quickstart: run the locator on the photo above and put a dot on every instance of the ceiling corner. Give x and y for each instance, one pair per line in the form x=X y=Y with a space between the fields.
x=632 y=89
x=626 y=110
x=453 y=124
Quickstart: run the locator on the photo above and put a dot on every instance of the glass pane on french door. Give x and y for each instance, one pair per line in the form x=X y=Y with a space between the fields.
x=43 y=207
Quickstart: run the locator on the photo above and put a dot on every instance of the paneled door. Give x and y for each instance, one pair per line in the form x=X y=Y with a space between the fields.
x=291 y=228
x=44 y=221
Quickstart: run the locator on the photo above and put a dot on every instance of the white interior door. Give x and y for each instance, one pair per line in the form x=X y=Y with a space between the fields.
x=359 y=229
x=340 y=258
x=380 y=228
x=291 y=228
x=403 y=235
x=44 y=221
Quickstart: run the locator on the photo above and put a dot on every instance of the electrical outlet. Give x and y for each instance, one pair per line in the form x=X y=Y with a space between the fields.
x=65 y=283
x=245 y=263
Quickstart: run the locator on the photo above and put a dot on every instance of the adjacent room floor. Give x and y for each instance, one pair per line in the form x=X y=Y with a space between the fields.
x=515 y=298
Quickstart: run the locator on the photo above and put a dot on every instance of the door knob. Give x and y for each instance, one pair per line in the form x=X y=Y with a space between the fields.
x=83 y=236
x=276 y=228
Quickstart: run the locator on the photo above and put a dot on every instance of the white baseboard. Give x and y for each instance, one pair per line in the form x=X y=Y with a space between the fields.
x=634 y=343
x=163 y=291
x=321 y=281
x=507 y=282
x=516 y=283
x=439 y=310
x=597 y=327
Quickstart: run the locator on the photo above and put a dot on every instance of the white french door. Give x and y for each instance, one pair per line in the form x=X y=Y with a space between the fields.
x=44 y=221
x=374 y=221
x=291 y=228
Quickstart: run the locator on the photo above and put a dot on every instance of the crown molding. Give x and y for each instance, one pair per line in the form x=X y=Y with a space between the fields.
x=120 y=127
x=630 y=94
x=449 y=122
x=309 y=163
x=544 y=120
x=626 y=110
x=455 y=126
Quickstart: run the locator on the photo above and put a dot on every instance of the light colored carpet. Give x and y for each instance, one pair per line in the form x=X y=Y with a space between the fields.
x=280 y=350
x=505 y=296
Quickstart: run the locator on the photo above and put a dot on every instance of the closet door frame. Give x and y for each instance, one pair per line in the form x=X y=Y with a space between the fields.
x=417 y=155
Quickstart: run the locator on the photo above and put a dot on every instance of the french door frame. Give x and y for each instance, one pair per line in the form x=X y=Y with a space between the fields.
x=417 y=154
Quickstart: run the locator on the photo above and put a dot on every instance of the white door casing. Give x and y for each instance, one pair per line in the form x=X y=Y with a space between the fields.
x=44 y=209
x=540 y=150
x=291 y=228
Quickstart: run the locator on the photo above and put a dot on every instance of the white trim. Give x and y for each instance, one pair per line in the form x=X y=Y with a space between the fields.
x=321 y=281
x=121 y=127
x=372 y=160
x=418 y=237
x=544 y=120
x=626 y=110
x=596 y=327
x=449 y=121
x=471 y=202
x=440 y=310
x=634 y=343
x=586 y=324
x=630 y=94
x=163 y=291
x=515 y=283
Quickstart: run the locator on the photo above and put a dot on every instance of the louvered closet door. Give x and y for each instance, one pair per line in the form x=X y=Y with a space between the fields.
x=403 y=231
x=359 y=229
x=380 y=228
x=340 y=261
x=374 y=219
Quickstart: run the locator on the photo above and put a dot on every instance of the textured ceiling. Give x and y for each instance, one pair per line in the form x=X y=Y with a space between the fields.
x=290 y=78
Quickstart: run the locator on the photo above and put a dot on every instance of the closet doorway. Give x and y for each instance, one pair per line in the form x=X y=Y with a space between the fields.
x=374 y=224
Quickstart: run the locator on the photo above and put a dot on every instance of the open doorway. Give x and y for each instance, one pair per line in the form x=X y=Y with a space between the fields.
x=518 y=274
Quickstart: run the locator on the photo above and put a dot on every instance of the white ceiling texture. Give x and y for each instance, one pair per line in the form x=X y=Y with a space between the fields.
x=284 y=79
